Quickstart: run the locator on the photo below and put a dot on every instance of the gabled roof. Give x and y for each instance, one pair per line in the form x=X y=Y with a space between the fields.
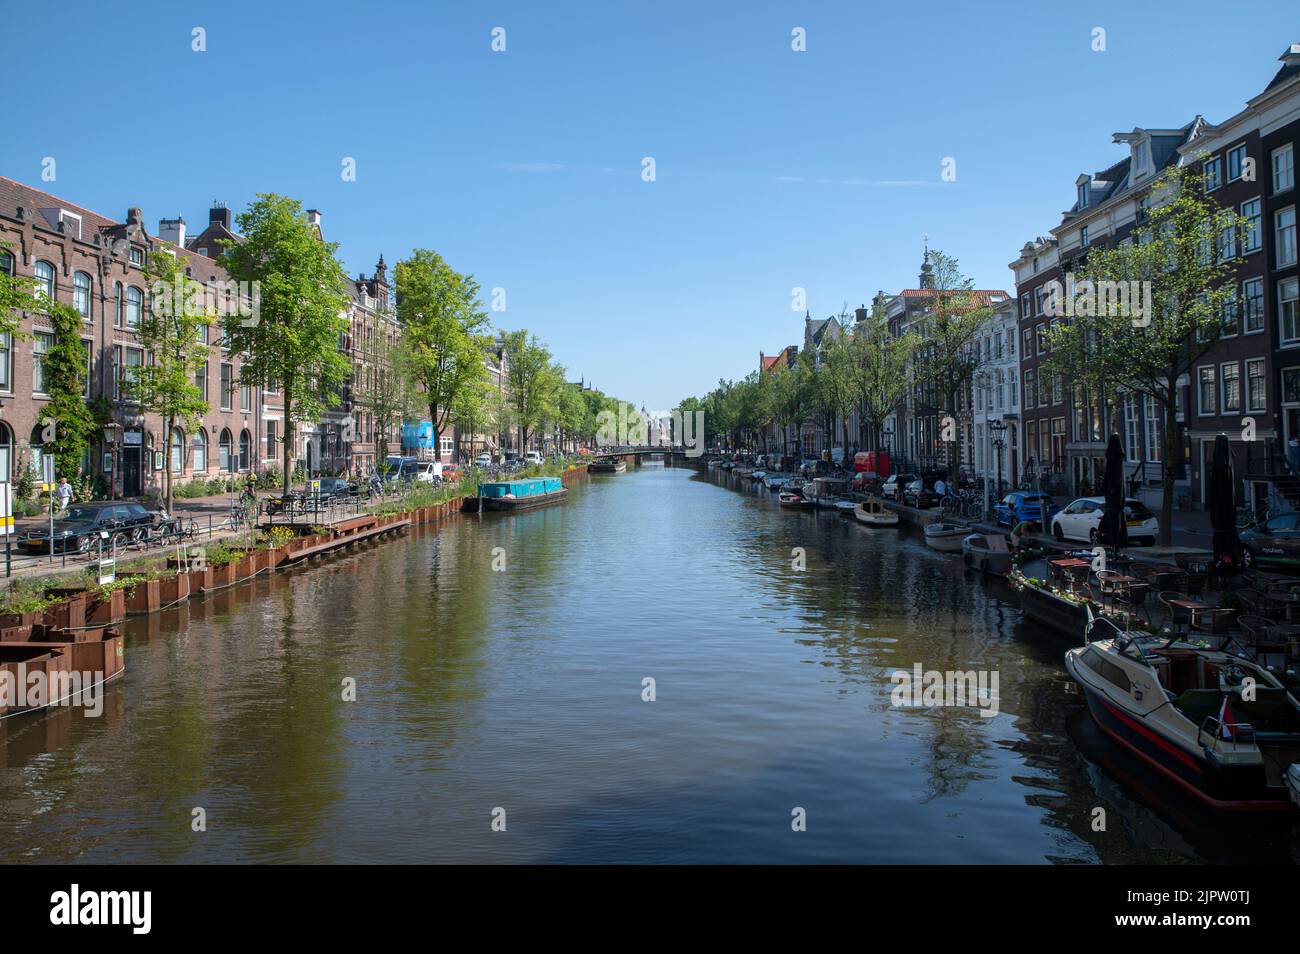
x=14 y=194
x=981 y=296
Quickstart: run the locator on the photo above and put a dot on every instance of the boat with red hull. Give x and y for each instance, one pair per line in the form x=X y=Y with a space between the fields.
x=1214 y=722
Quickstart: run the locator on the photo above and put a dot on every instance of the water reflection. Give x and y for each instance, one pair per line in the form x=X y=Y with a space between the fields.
x=522 y=689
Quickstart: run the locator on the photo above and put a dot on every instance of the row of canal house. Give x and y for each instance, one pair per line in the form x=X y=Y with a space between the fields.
x=1035 y=428
x=1252 y=371
x=95 y=264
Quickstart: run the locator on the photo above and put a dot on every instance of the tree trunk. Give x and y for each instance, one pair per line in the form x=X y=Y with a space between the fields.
x=1172 y=447
x=288 y=441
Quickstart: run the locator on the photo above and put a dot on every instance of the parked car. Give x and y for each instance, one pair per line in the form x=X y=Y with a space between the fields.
x=1081 y=519
x=892 y=488
x=483 y=460
x=1025 y=506
x=533 y=459
x=78 y=528
x=920 y=492
x=401 y=468
x=1275 y=542
x=428 y=472
x=335 y=488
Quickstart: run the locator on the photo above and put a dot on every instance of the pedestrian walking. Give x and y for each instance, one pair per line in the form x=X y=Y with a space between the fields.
x=64 y=493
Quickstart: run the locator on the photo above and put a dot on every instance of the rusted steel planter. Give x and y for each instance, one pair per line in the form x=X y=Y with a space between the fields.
x=69 y=613
x=10 y=620
x=144 y=598
x=219 y=577
x=173 y=589
x=106 y=612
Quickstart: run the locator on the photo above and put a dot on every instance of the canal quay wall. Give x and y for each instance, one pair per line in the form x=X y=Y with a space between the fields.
x=78 y=611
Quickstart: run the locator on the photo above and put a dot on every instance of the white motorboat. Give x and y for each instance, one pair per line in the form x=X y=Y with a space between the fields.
x=945 y=537
x=846 y=507
x=987 y=552
x=1214 y=722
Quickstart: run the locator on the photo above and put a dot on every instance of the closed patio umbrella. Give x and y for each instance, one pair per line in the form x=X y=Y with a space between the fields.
x=1113 y=531
x=1223 y=510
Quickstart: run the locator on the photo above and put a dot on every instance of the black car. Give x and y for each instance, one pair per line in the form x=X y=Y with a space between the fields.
x=335 y=488
x=920 y=492
x=78 y=528
x=1275 y=542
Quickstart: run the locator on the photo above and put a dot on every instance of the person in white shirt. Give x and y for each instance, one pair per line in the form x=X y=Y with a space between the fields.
x=940 y=488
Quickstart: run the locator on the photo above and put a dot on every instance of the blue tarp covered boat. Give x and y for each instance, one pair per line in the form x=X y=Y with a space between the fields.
x=520 y=494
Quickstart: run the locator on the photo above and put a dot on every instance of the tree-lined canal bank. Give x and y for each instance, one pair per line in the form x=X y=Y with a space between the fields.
x=522 y=689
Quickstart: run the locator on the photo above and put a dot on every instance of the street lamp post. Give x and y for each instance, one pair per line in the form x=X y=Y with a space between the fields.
x=998 y=428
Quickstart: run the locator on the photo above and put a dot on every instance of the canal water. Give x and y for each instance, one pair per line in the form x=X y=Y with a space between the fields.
x=518 y=694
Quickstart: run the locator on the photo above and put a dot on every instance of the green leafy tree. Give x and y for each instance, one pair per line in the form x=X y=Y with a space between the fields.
x=444 y=326
x=531 y=380
x=172 y=331
x=293 y=344
x=390 y=396
x=17 y=294
x=880 y=361
x=67 y=421
x=1144 y=340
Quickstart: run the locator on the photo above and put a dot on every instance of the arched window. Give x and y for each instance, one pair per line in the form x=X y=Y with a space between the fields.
x=45 y=280
x=199 y=450
x=177 y=450
x=36 y=443
x=134 y=306
x=81 y=294
x=245 y=450
x=6 y=450
x=225 y=457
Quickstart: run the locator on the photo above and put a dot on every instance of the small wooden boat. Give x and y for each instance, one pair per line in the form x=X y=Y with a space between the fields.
x=986 y=552
x=607 y=465
x=512 y=495
x=945 y=537
x=791 y=498
x=875 y=514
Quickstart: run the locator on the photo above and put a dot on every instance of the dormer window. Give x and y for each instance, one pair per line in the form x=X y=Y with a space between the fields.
x=1084 y=192
x=137 y=256
x=1142 y=156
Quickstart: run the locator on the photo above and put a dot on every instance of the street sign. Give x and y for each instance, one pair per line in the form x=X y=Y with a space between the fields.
x=47 y=468
x=106 y=571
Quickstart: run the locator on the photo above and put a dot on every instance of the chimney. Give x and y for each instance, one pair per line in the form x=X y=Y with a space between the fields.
x=172 y=230
x=219 y=215
x=1291 y=56
x=860 y=313
x=313 y=216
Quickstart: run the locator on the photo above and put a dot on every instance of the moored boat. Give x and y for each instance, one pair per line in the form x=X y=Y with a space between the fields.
x=757 y=474
x=776 y=481
x=791 y=498
x=945 y=537
x=846 y=507
x=875 y=514
x=1217 y=724
x=986 y=552
x=511 y=495
x=607 y=465
x=825 y=491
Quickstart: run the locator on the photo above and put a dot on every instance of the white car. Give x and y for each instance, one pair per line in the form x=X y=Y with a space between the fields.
x=483 y=460
x=1082 y=518
x=533 y=458
x=427 y=470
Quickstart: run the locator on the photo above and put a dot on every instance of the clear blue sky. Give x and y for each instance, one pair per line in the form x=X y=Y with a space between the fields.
x=775 y=169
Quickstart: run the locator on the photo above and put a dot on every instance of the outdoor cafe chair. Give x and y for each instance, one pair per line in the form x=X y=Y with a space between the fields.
x=1129 y=601
x=1213 y=621
x=1178 y=618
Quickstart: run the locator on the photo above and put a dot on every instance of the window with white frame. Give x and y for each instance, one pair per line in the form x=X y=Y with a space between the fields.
x=134 y=306
x=1132 y=428
x=1283 y=168
x=1252 y=305
x=1213 y=174
x=44 y=272
x=1230 y=388
x=1288 y=310
x=1155 y=453
x=1284 y=236
x=81 y=294
x=42 y=342
x=1249 y=216
x=1256 y=385
x=1205 y=397
x=1236 y=162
